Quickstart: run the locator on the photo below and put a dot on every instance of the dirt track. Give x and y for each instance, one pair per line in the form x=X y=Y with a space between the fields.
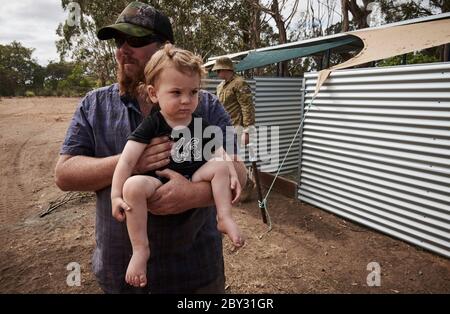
x=308 y=251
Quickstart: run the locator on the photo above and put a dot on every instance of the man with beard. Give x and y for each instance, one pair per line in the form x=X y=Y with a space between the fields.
x=182 y=231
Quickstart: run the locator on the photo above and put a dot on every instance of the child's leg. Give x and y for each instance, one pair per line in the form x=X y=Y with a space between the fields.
x=218 y=174
x=135 y=193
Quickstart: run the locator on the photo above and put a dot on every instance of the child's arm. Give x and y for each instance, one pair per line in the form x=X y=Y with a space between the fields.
x=123 y=171
x=221 y=154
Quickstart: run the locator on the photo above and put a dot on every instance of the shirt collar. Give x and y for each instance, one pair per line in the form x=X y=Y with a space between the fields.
x=231 y=79
x=130 y=102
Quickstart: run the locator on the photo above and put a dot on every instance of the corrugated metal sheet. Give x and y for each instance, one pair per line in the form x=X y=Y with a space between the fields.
x=210 y=85
x=277 y=103
x=376 y=150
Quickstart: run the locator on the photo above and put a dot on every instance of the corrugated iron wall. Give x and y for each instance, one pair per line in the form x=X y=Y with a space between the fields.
x=376 y=150
x=210 y=85
x=277 y=103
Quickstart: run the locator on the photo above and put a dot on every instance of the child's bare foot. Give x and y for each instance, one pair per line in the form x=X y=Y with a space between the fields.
x=228 y=226
x=137 y=268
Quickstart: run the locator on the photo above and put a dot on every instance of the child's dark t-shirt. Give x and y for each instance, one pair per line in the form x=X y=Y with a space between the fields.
x=188 y=153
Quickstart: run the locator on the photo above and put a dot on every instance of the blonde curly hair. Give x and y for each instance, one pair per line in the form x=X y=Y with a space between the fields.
x=170 y=55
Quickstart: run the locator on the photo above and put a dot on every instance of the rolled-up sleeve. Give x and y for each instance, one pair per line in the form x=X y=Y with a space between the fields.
x=79 y=137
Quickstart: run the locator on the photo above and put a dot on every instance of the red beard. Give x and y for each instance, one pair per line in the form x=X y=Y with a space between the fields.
x=128 y=83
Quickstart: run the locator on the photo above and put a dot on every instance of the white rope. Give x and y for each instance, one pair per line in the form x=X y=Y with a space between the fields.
x=264 y=201
x=263 y=204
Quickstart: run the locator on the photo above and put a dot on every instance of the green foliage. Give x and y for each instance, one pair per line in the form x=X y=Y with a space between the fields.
x=68 y=79
x=411 y=58
x=80 y=43
x=57 y=72
x=20 y=75
x=17 y=69
x=396 y=11
x=206 y=27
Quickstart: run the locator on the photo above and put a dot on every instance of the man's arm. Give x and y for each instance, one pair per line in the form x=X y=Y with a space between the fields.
x=245 y=100
x=83 y=173
x=180 y=194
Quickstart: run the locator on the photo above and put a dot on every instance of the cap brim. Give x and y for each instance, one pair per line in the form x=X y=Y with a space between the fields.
x=109 y=32
x=217 y=68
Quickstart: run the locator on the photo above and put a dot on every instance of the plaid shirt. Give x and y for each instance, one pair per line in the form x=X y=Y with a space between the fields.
x=186 y=249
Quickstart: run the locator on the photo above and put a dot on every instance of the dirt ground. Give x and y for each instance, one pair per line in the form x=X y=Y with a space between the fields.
x=308 y=250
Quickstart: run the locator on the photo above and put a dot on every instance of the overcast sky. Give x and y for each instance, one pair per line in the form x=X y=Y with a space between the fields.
x=34 y=24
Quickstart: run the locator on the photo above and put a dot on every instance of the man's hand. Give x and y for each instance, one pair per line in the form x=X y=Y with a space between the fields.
x=155 y=155
x=172 y=196
x=235 y=187
x=245 y=138
x=118 y=208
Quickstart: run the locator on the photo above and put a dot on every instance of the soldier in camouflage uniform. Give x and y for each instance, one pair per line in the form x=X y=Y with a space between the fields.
x=236 y=96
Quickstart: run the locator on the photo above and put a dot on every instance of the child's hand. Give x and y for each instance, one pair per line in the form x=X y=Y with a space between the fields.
x=235 y=188
x=118 y=208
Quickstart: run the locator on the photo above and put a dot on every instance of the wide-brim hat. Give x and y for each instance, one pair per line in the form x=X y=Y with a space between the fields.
x=223 y=63
x=138 y=20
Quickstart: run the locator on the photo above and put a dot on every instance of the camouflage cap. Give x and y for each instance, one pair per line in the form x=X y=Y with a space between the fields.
x=139 y=19
x=223 y=63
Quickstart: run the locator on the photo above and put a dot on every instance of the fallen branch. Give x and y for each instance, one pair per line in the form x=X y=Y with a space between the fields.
x=64 y=199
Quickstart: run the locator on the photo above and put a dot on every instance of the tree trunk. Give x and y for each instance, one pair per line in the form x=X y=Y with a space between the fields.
x=344 y=9
x=359 y=13
x=255 y=32
x=446 y=53
x=282 y=68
